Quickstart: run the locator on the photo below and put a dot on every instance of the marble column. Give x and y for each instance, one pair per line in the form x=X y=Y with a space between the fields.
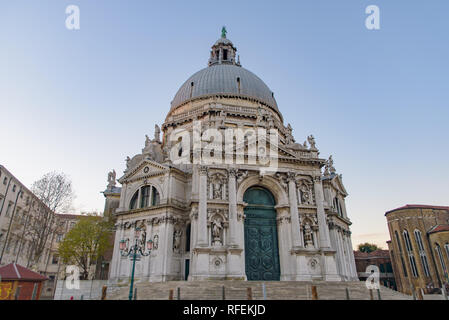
x=232 y=207
x=321 y=215
x=202 y=210
x=296 y=230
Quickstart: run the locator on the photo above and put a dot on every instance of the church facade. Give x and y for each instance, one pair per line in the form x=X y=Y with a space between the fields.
x=227 y=193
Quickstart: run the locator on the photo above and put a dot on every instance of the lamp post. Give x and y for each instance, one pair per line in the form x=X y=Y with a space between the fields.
x=134 y=252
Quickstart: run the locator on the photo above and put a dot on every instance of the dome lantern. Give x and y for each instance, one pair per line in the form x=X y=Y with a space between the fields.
x=223 y=51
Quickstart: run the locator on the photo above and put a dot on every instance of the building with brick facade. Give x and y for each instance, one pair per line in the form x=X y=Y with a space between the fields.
x=379 y=258
x=419 y=246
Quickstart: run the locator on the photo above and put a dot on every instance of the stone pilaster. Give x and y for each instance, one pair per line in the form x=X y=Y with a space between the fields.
x=232 y=207
x=296 y=228
x=321 y=215
x=202 y=239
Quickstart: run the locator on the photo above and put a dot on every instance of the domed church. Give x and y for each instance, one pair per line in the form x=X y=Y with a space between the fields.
x=227 y=192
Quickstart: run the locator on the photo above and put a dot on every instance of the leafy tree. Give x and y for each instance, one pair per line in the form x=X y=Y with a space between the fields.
x=86 y=242
x=367 y=247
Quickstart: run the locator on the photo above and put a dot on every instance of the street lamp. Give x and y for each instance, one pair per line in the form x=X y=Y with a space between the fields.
x=134 y=252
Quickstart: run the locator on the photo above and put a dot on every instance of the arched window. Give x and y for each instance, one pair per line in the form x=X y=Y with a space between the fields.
x=155 y=197
x=411 y=257
x=133 y=203
x=145 y=196
x=149 y=196
x=422 y=252
x=440 y=257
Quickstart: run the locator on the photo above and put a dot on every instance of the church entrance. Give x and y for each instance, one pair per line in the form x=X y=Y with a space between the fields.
x=261 y=240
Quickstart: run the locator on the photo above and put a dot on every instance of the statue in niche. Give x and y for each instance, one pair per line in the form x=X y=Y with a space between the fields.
x=216 y=229
x=111 y=178
x=305 y=194
x=155 y=242
x=177 y=240
x=157 y=133
x=308 y=235
x=217 y=190
x=312 y=142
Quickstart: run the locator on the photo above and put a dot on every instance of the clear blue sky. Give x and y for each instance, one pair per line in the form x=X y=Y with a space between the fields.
x=81 y=101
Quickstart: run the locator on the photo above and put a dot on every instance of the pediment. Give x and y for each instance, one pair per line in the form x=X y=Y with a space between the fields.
x=146 y=168
x=337 y=183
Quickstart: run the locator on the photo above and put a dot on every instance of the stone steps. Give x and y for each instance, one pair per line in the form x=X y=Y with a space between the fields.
x=237 y=290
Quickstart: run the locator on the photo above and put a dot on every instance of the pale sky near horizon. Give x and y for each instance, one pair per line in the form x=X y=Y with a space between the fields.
x=80 y=101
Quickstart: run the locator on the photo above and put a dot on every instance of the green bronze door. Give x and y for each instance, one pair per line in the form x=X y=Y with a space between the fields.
x=261 y=241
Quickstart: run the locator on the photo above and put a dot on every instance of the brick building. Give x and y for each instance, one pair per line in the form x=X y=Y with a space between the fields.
x=419 y=246
x=379 y=258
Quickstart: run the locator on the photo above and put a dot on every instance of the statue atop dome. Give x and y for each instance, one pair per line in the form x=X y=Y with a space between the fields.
x=223 y=32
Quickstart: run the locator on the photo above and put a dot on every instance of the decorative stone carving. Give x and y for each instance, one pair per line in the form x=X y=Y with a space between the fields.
x=111 y=179
x=217 y=186
x=308 y=235
x=305 y=192
x=194 y=213
x=312 y=142
x=283 y=180
x=157 y=133
x=241 y=175
x=330 y=164
x=216 y=232
x=155 y=242
x=128 y=160
x=288 y=135
x=177 y=240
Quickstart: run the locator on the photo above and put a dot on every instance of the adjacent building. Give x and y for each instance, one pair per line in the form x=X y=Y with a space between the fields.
x=265 y=208
x=419 y=246
x=379 y=258
x=30 y=231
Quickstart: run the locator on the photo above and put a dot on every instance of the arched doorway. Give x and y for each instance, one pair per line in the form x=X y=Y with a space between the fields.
x=261 y=240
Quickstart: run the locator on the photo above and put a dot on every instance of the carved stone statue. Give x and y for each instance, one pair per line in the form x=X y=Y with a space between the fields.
x=308 y=235
x=147 y=141
x=157 y=133
x=330 y=164
x=217 y=190
x=312 y=142
x=155 y=242
x=128 y=160
x=216 y=229
x=111 y=178
x=288 y=135
x=177 y=240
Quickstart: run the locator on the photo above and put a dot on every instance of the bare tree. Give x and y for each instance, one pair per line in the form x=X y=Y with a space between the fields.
x=55 y=191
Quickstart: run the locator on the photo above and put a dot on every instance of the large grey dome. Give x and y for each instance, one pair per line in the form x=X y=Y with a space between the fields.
x=225 y=79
